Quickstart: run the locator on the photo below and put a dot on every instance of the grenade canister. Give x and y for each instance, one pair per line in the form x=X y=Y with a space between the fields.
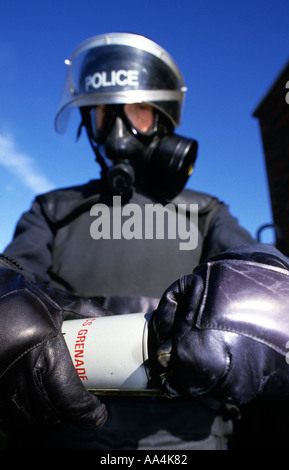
x=110 y=354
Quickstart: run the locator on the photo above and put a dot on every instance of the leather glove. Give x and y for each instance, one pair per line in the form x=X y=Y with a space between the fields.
x=222 y=331
x=38 y=382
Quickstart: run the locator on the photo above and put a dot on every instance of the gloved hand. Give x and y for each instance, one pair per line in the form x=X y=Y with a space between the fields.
x=38 y=382
x=222 y=331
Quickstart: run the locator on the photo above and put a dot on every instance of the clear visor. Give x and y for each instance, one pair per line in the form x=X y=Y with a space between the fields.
x=139 y=115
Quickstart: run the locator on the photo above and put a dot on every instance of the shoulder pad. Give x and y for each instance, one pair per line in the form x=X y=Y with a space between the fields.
x=205 y=201
x=62 y=204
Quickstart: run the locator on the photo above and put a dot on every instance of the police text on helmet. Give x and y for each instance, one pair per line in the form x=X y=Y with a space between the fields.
x=110 y=79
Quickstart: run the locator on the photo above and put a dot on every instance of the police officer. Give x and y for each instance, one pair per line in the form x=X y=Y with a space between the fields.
x=130 y=93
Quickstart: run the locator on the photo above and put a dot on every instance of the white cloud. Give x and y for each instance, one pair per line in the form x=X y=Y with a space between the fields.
x=22 y=166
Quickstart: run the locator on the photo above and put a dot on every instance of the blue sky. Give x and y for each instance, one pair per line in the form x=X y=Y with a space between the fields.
x=230 y=53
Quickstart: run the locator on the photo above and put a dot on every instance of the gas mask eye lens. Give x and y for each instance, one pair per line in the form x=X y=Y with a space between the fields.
x=140 y=115
x=100 y=120
x=100 y=117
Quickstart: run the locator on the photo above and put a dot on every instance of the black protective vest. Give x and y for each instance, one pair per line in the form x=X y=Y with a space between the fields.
x=114 y=265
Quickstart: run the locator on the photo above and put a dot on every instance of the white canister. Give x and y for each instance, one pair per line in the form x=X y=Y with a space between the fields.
x=110 y=354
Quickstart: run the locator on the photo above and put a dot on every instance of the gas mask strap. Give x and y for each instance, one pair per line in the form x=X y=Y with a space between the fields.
x=98 y=157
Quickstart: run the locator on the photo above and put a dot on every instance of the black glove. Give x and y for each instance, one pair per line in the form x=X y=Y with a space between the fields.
x=38 y=382
x=223 y=330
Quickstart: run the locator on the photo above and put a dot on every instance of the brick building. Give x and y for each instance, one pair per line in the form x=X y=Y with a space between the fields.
x=273 y=116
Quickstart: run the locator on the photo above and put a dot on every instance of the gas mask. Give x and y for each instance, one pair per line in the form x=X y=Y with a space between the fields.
x=135 y=146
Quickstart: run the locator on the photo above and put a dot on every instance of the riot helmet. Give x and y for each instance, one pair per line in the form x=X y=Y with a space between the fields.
x=107 y=77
